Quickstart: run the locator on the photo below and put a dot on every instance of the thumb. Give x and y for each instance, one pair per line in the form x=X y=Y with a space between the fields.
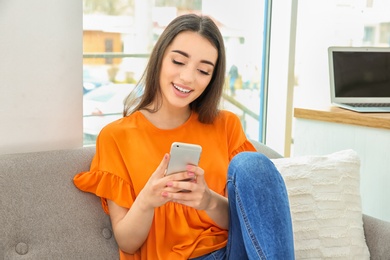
x=160 y=171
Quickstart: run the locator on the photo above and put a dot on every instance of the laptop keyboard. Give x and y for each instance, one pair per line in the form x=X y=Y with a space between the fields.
x=369 y=104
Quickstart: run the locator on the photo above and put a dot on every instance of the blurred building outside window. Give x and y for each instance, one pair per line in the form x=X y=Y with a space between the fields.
x=118 y=36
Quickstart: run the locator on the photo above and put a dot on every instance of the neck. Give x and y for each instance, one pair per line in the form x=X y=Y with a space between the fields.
x=166 y=118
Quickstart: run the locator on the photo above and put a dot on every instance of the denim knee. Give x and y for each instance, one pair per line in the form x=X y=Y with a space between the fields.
x=251 y=165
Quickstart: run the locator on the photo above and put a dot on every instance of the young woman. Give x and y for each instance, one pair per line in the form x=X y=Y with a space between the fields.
x=237 y=205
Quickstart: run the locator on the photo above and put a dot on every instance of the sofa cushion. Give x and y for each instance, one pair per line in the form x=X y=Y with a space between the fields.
x=325 y=205
x=44 y=216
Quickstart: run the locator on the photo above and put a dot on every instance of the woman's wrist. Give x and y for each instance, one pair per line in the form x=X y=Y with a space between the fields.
x=218 y=209
x=142 y=203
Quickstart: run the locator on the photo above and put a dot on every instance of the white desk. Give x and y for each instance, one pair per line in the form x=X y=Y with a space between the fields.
x=327 y=130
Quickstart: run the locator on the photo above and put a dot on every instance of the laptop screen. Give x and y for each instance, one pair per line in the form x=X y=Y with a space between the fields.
x=361 y=72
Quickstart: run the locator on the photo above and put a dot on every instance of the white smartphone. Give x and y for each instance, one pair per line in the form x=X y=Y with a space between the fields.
x=181 y=155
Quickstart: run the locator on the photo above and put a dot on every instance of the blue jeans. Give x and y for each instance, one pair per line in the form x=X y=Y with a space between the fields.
x=260 y=221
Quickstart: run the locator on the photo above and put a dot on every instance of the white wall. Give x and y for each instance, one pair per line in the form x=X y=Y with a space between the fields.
x=40 y=75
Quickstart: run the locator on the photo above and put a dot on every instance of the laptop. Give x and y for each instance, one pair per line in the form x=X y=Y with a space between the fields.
x=360 y=78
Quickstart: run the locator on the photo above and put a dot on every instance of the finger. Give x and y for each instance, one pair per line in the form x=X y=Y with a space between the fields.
x=171 y=190
x=172 y=187
x=180 y=196
x=180 y=186
x=160 y=171
x=181 y=176
x=197 y=171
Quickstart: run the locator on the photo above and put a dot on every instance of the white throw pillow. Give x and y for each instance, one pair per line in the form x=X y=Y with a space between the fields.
x=325 y=204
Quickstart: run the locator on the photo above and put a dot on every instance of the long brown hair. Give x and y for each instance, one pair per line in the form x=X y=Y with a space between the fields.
x=206 y=105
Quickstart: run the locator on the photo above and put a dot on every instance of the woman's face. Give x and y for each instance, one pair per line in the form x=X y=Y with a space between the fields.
x=187 y=68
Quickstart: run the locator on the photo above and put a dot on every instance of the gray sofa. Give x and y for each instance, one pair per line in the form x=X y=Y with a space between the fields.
x=43 y=216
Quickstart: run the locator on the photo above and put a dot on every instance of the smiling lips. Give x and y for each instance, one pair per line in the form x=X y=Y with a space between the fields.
x=182 y=90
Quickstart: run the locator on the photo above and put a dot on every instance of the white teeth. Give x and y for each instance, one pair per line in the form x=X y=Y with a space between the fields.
x=182 y=89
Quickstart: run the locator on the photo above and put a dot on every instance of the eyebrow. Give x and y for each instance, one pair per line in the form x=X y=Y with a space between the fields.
x=187 y=55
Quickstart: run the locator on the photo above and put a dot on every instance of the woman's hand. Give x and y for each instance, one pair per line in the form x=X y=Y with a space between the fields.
x=188 y=188
x=151 y=196
x=196 y=194
x=159 y=190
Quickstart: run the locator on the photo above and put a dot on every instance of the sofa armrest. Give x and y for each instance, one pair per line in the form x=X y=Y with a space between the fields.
x=377 y=233
x=267 y=151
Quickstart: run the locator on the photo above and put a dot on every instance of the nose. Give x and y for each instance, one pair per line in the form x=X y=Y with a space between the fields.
x=187 y=74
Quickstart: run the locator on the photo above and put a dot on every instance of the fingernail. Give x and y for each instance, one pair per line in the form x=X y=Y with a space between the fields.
x=191 y=174
x=169 y=184
x=165 y=194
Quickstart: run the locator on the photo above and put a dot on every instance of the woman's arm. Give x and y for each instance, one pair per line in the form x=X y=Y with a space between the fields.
x=131 y=226
x=218 y=210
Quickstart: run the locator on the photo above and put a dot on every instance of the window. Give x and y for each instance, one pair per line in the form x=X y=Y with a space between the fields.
x=118 y=36
x=108 y=47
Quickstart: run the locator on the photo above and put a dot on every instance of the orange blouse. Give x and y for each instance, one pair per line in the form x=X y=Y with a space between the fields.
x=129 y=150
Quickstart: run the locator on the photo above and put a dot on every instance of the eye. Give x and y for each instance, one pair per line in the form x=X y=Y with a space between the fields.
x=177 y=62
x=204 y=72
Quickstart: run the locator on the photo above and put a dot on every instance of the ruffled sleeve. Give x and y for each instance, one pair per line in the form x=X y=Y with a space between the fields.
x=244 y=147
x=237 y=139
x=101 y=184
x=108 y=177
